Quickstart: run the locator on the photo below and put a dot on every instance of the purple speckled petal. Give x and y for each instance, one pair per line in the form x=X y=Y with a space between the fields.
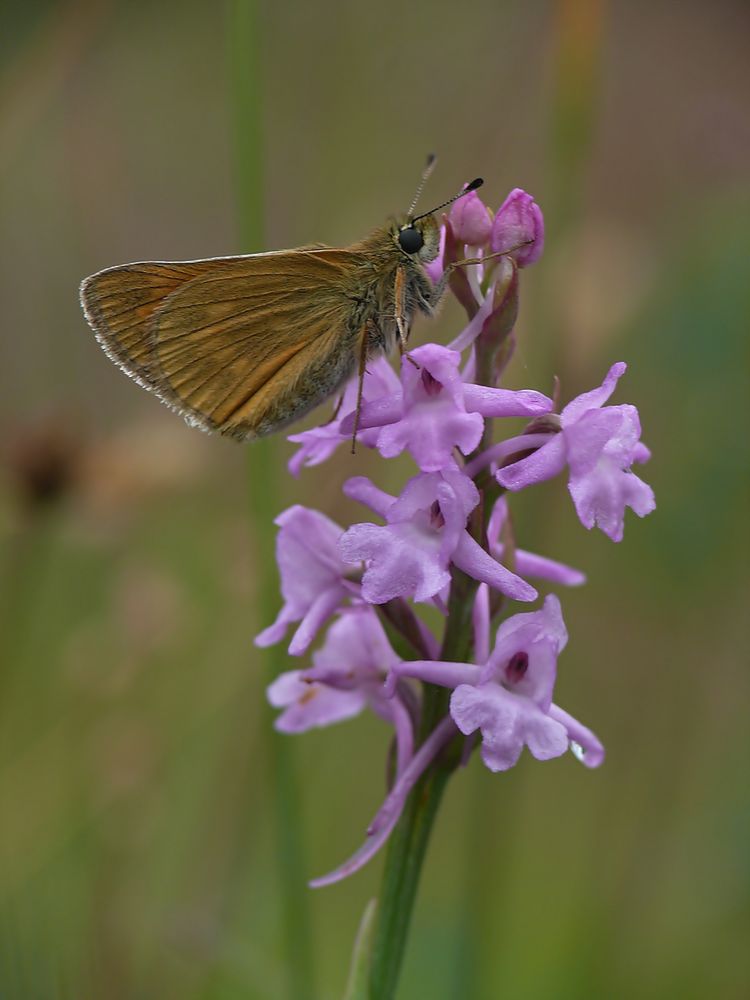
x=310 y=705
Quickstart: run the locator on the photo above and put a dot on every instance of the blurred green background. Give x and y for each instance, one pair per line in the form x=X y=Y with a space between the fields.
x=139 y=830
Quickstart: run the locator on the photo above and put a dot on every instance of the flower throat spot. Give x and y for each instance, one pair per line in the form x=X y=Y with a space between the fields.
x=517 y=666
x=431 y=385
x=437 y=520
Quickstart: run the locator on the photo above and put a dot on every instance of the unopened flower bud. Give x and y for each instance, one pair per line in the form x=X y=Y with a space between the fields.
x=470 y=220
x=519 y=220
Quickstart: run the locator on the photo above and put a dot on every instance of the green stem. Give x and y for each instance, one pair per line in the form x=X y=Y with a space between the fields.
x=244 y=54
x=408 y=843
x=403 y=866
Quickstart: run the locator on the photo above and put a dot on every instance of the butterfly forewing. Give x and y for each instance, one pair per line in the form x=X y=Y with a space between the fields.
x=120 y=304
x=241 y=345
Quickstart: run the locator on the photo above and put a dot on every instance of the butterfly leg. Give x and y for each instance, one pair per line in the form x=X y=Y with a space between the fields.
x=360 y=385
x=400 y=308
x=401 y=320
x=336 y=411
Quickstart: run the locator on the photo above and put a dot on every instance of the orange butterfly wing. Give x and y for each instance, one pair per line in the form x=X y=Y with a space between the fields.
x=120 y=303
x=241 y=345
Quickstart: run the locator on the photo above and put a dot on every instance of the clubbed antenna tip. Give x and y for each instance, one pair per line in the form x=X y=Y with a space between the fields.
x=471 y=186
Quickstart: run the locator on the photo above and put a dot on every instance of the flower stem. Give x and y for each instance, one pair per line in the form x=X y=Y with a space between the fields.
x=408 y=843
x=403 y=865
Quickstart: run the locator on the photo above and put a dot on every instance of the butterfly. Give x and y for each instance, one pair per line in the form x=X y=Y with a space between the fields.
x=246 y=345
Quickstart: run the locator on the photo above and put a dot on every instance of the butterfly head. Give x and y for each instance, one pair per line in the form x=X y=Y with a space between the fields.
x=419 y=238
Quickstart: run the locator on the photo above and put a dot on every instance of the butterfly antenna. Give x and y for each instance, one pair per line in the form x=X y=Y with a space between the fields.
x=429 y=166
x=471 y=186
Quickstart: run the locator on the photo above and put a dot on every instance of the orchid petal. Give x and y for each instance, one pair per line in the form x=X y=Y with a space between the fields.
x=474 y=561
x=545 y=463
x=505 y=402
x=379 y=412
x=364 y=491
x=317 y=615
x=529 y=564
x=590 y=750
x=596 y=397
x=388 y=814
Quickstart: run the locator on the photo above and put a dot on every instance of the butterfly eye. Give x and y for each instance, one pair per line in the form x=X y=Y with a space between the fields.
x=410 y=240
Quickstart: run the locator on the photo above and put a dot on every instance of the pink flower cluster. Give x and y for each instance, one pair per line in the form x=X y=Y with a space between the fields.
x=347 y=579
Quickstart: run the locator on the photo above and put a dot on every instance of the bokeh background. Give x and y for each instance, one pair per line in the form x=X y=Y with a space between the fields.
x=155 y=836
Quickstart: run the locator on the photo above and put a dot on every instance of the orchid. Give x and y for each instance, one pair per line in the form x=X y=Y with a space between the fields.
x=312 y=576
x=435 y=410
x=445 y=540
x=599 y=444
x=509 y=698
x=347 y=675
x=425 y=532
